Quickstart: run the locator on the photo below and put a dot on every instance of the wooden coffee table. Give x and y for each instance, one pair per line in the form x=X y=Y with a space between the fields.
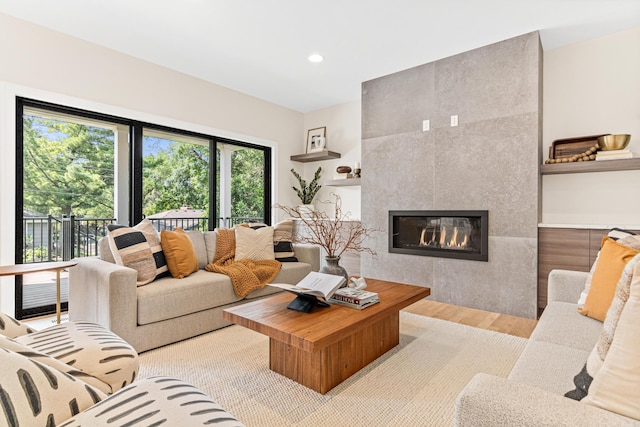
x=325 y=347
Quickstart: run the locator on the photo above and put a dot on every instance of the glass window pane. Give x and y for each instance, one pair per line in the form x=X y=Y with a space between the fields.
x=175 y=180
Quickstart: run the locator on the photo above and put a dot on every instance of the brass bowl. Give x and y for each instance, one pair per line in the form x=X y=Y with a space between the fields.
x=614 y=142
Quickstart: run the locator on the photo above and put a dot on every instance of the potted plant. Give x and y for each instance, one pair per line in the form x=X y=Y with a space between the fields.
x=307 y=192
x=334 y=235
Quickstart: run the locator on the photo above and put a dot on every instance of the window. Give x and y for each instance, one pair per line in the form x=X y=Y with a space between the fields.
x=78 y=171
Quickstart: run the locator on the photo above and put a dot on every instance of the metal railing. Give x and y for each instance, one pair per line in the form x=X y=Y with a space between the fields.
x=47 y=238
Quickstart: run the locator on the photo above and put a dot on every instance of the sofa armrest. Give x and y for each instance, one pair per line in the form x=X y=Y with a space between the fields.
x=104 y=293
x=493 y=401
x=565 y=285
x=309 y=254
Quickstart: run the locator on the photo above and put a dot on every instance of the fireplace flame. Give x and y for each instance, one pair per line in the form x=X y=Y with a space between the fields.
x=459 y=238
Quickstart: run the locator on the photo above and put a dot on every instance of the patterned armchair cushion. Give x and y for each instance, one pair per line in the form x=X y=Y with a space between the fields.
x=89 y=348
x=34 y=394
x=157 y=401
x=45 y=359
x=10 y=327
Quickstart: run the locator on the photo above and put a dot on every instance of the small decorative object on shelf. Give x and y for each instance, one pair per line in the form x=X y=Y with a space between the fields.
x=356 y=170
x=585 y=156
x=316 y=139
x=343 y=172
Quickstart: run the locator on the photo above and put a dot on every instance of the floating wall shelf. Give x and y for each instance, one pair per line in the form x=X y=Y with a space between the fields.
x=592 y=166
x=314 y=157
x=349 y=182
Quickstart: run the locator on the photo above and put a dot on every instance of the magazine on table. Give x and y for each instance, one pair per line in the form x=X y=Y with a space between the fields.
x=352 y=305
x=316 y=284
x=354 y=296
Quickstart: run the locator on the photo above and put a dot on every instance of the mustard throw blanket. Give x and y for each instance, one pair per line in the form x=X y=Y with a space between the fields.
x=246 y=275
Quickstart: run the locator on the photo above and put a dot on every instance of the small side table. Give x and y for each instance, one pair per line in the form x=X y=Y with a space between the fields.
x=20 y=269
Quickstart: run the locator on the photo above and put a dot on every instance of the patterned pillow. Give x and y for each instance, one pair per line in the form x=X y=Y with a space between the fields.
x=254 y=244
x=156 y=401
x=10 y=327
x=34 y=394
x=282 y=241
x=45 y=359
x=597 y=356
x=90 y=348
x=138 y=248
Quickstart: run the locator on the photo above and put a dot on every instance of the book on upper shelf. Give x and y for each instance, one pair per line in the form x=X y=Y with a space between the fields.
x=342 y=175
x=356 y=306
x=355 y=296
x=613 y=155
x=314 y=284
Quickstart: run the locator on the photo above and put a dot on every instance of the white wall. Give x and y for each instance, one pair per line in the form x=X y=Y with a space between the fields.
x=44 y=64
x=590 y=88
x=343 y=136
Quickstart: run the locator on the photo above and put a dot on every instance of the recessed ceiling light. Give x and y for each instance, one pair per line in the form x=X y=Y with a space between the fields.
x=315 y=57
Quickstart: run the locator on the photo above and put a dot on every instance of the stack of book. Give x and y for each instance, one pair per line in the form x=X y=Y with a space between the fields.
x=613 y=154
x=354 y=298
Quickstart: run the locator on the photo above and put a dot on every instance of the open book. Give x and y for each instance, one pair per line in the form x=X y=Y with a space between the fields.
x=316 y=284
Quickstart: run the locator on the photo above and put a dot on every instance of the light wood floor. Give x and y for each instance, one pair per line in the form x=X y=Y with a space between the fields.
x=504 y=323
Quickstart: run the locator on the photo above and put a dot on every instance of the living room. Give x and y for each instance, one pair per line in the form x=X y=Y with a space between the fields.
x=586 y=87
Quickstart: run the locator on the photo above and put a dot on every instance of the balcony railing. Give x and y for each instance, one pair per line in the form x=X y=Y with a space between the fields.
x=47 y=239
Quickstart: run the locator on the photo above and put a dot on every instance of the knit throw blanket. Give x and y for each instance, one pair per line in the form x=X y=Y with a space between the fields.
x=246 y=275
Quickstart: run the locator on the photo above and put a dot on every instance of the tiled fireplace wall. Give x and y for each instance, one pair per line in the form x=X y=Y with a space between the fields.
x=488 y=162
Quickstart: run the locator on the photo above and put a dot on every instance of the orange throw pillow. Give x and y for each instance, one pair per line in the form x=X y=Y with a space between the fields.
x=613 y=257
x=179 y=252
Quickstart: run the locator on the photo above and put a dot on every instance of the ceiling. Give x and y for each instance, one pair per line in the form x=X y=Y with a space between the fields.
x=260 y=47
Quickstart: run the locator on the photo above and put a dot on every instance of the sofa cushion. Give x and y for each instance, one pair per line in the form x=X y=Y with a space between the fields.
x=611 y=261
x=561 y=324
x=254 y=244
x=548 y=366
x=615 y=385
x=179 y=252
x=37 y=394
x=168 y=298
x=210 y=240
x=199 y=246
x=138 y=248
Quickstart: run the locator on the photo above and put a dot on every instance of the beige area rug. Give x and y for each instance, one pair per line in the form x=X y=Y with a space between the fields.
x=414 y=384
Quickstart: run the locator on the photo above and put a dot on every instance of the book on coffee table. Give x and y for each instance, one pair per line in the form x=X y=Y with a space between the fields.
x=353 y=305
x=314 y=284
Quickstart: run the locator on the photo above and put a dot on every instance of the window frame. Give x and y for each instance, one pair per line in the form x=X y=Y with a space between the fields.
x=135 y=170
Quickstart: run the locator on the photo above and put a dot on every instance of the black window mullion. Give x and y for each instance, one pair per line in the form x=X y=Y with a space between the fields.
x=135 y=171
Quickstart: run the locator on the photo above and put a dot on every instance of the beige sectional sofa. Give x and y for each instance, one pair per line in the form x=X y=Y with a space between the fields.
x=168 y=309
x=533 y=394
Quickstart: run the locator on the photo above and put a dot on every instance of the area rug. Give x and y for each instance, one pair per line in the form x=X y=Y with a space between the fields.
x=414 y=384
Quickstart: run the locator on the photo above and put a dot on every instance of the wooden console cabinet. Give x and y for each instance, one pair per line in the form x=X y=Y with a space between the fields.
x=565 y=248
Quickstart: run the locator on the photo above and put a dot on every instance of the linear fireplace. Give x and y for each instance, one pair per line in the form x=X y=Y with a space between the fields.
x=446 y=234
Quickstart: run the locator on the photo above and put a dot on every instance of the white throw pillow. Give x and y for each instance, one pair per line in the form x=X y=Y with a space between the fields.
x=615 y=386
x=254 y=244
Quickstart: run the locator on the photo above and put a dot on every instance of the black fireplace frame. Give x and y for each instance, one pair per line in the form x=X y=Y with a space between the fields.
x=483 y=255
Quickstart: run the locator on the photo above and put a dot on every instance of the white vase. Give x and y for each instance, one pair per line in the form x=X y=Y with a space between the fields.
x=306 y=211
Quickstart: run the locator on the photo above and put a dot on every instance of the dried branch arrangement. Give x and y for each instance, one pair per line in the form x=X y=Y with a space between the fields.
x=335 y=235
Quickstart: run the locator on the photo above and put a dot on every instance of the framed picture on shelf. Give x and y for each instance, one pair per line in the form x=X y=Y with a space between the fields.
x=316 y=139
